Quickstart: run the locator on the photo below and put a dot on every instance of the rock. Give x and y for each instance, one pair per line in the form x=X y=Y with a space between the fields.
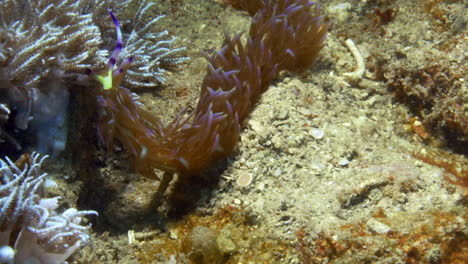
x=377 y=227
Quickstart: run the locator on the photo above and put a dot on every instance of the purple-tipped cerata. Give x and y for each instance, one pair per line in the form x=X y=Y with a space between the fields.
x=118 y=44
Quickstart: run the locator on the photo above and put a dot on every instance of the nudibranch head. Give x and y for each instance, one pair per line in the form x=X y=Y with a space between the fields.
x=110 y=78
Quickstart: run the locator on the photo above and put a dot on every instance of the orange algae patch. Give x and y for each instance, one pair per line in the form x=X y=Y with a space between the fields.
x=429 y=237
x=236 y=237
x=455 y=166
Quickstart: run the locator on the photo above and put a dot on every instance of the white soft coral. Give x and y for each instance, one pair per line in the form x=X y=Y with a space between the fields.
x=31 y=230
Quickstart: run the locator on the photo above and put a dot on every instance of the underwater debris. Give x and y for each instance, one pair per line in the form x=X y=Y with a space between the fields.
x=360 y=68
x=383 y=17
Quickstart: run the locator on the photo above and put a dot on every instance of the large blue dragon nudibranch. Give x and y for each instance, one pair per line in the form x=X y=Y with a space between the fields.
x=237 y=77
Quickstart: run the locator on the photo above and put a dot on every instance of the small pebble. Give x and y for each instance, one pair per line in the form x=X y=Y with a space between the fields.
x=304 y=111
x=131 y=236
x=261 y=186
x=343 y=162
x=316 y=133
x=277 y=172
x=282 y=114
x=225 y=243
x=377 y=227
x=7 y=254
x=245 y=179
x=257 y=127
x=50 y=184
x=277 y=142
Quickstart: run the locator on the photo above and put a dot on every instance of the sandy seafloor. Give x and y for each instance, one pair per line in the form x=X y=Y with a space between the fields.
x=338 y=171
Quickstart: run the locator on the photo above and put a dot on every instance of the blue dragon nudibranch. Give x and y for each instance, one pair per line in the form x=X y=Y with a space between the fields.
x=284 y=35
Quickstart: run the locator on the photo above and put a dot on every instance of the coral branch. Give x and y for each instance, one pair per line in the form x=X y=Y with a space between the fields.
x=284 y=35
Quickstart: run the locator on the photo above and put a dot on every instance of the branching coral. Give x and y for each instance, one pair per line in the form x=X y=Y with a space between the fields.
x=50 y=39
x=151 y=51
x=41 y=42
x=30 y=223
x=4 y=115
x=284 y=35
